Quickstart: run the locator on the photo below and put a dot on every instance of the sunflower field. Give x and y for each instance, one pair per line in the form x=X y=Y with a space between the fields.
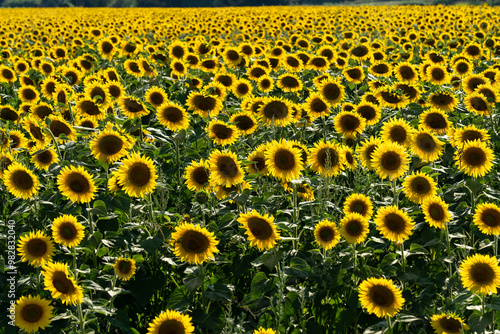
x=250 y=170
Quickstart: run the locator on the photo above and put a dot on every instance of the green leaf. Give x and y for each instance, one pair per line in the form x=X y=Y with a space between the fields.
x=218 y=292
x=271 y=259
x=99 y=208
x=179 y=299
x=193 y=282
x=298 y=268
x=151 y=244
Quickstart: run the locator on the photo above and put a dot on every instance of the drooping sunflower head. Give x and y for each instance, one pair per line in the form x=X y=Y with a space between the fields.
x=193 y=243
x=137 y=175
x=171 y=322
x=390 y=160
x=32 y=313
x=326 y=234
x=359 y=203
x=60 y=284
x=354 y=228
x=419 y=186
x=487 y=218
x=381 y=297
x=446 y=323
x=260 y=229
x=124 y=268
x=36 y=248
x=283 y=160
x=480 y=274
x=394 y=224
x=67 y=231
x=197 y=175
x=76 y=184
x=20 y=181
x=475 y=158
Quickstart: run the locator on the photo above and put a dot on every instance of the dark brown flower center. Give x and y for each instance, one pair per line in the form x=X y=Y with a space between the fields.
x=478 y=104
x=78 y=183
x=331 y=91
x=133 y=106
x=110 y=144
x=390 y=161
x=354 y=228
x=436 y=211
x=406 y=72
x=326 y=234
x=318 y=106
x=32 y=313
x=58 y=128
x=200 y=175
x=124 y=267
x=382 y=296
x=358 y=207
x=107 y=47
x=349 y=123
x=395 y=223
x=195 y=242
x=420 y=185
x=205 y=103
x=260 y=228
x=62 y=283
x=451 y=325
x=491 y=217
x=474 y=156
x=436 y=121
x=442 y=100
x=68 y=231
x=367 y=112
x=156 y=98
x=380 y=68
x=43 y=111
x=139 y=174
x=276 y=110
x=227 y=167
x=243 y=122
x=37 y=247
x=172 y=114
x=171 y=326
x=284 y=159
x=221 y=131
x=482 y=273
x=425 y=142
x=90 y=108
x=289 y=82
x=22 y=180
x=354 y=73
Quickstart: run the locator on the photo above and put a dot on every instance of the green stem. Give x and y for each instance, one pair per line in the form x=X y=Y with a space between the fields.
x=396 y=195
x=389 y=325
x=482 y=311
x=80 y=312
x=295 y=216
x=204 y=305
x=448 y=252
x=113 y=285
x=56 y=144
x=91 y=224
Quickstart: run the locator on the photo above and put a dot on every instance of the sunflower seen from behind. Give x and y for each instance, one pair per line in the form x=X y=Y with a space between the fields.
x=487 y=218
x=137 y=175
x=67 y=231
x=260 y=229
x=33 y=313
x=381 y=297
x=171 y=322
x=60 y=284
x=20 y=181
x=326 y=234
x=193 y=244
x=36 y=248
x=76 y=184
x=124 y=268
x=394 y=224
x=480 y=274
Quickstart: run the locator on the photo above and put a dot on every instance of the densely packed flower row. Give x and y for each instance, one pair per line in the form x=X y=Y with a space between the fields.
x=333 y=140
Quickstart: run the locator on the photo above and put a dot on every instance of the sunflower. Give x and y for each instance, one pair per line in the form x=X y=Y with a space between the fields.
x=491 y=93
x=446 y=323
x=366 y=151
x=480 y=274
x=76 y=184
x=326 y=234
x=257 y=161
x=316 y=106
x=463 y=67
x=41 y=111
x=260 y=229
x=478 y=103
x=225 y=169
x=474 y=158
x=115 y=89
x=32 y=313
x=393 y=223
x=137 y=175
x=359 y=203
x=106 y=48
x=354 y=74
x=380 y=68
x=60 y=284
x=262 y=330
x=172 y=322
x=222 y=191
x=468 y=133
x=391 y=98
x=390 y=160
x=204 y=105
x=332 y=91
x=124 y=268
x=265 y=83
x=473 y=51
x=132 y=67
x=28 y=94
x=221 y=133
x=487 y=218
x=437 y=74
x=256 y=71
x=354 y=228
x=291 y=63
x=245 y=122
x=226 y=79
x=87 y=108
x=67 y=231
x=443 y=100
x=349 y=123
x=283 y=160
x=419 y=186
x=326 y=158
x=113 y=185
x=304 y=190
x=172 y=116
x=434 y=120
x=17 y=140
x=20 y=181
x=289 y=82
x=217 y=89
x=436 y=212
x=132 y=108
x=7 y=75
x=381 y=297
x=179 y=68
x=193 y=244
x=369 y=112
x=156 y=96
x=349 y=158
x=9 y=114
x=45 y=158
x=276 y=111
x=109 y=145
x=36 y=248
x=197 y=175
x=398 y=131
x=426 y=145
x=318 y=63
x=406 y=72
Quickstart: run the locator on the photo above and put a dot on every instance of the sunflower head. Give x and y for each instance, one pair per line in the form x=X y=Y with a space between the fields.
x=475 y=158
x=487 y=218
x=32 y=313
x=171 y=322
x=326 y=234
x=354 y=228
x=448 y=323
x=419 y=186
x=380 y=297
x=225 y=169
x=76 y=184
x=193 y=243
x=197 y=175
x=283 y=160
x=137 y=175
x=359 y=203
x=67 y=231
x=260 y=229
x=436 y=212
x=394 y=224
x=60 y=284
x=480 y=274
x=124 y=268
x=390 y=160
x=20 y=181
x=36 y=248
